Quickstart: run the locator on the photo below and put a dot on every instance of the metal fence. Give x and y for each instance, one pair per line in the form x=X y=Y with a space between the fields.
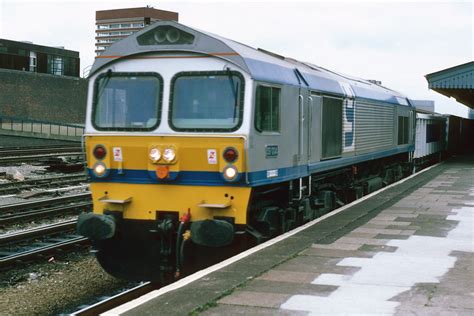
x=48 y=129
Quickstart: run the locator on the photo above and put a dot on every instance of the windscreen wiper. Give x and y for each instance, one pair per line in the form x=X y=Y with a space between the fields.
x=102 y=86
x=234 y=85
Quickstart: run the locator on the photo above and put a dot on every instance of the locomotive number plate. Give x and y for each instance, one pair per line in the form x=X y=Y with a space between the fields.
x=271 y=151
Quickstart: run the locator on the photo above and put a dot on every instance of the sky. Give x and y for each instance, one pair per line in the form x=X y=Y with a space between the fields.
x=397 y=42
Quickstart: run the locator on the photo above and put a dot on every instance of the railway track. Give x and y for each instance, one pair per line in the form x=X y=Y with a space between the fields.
x=14 y=213
x=15 y=155
x=38 y=157
x=116 y=300
x=18 y=151
x=33 y=243
x=56 y=181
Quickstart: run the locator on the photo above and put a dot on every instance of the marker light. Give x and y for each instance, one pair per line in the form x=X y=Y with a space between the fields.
x=155 y=155
x=99 y=152
x=99 y=169
x=169 y=154
x=162 y=172
x=230 y=154
x=230 y=173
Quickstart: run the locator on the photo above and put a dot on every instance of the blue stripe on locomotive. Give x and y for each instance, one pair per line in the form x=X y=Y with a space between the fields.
x=255 y=178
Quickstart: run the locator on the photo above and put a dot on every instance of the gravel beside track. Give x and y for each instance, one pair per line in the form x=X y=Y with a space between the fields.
x=55 y=287
x=58 y=283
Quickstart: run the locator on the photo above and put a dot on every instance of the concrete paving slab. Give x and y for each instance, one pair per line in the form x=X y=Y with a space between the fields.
x=363 y=229
x=259 y=285
x=336 y=253
x=375 y=225
x=408 y=232
x=386 y=216
x=388 y=236
x=224 y=309
x=395 y=209
x=364 y=241
x=337 y=245
x=374 y=248
x=317 y=265
x=408 y=226
x=262 y=299
x=387 y=224
x=288 y=276
x=360 y=235
x=432 y=311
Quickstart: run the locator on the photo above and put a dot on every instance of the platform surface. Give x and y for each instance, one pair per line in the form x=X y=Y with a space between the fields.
x=405 y=251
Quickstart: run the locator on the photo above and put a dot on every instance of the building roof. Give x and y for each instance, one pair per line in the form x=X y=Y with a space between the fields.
x=456 y=82
x=260 y=64
x=136 y=13
x=39 y=48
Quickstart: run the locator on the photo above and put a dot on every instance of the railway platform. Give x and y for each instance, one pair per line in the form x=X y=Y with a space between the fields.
x=407 y=250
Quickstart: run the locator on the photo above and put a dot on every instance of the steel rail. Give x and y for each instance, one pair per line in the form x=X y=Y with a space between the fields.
x=63 y=209
x=44 y=150
x=39 y=231
x=44 y=202
x=17 y=212
x=36 y=157
x=35 y=146
x=21 y=256
x=116 y=300
x=11 y=187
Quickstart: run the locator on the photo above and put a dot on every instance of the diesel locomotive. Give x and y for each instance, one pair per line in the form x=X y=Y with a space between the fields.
x=195 y=142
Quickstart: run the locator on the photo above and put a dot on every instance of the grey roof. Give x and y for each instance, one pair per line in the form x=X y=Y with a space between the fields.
x=261 y=65
x=426 y=105
x=456 y=82
x=457 y=77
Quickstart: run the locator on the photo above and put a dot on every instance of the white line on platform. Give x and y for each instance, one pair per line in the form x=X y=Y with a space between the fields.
x=196 y=276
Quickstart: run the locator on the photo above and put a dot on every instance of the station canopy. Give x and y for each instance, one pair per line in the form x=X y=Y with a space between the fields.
x=456 y=82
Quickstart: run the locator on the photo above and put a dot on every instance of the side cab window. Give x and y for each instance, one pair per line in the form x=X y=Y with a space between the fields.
x=267 y=109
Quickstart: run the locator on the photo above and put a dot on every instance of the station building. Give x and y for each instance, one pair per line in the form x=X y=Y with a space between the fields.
x=26 y=56
x=114 y=25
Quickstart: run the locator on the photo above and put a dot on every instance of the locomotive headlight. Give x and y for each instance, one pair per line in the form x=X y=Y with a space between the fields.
x=230 y=173
x=169 y=154
x=160 y=35
x=154 y=155
x=99 y=169
x=173 y=35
